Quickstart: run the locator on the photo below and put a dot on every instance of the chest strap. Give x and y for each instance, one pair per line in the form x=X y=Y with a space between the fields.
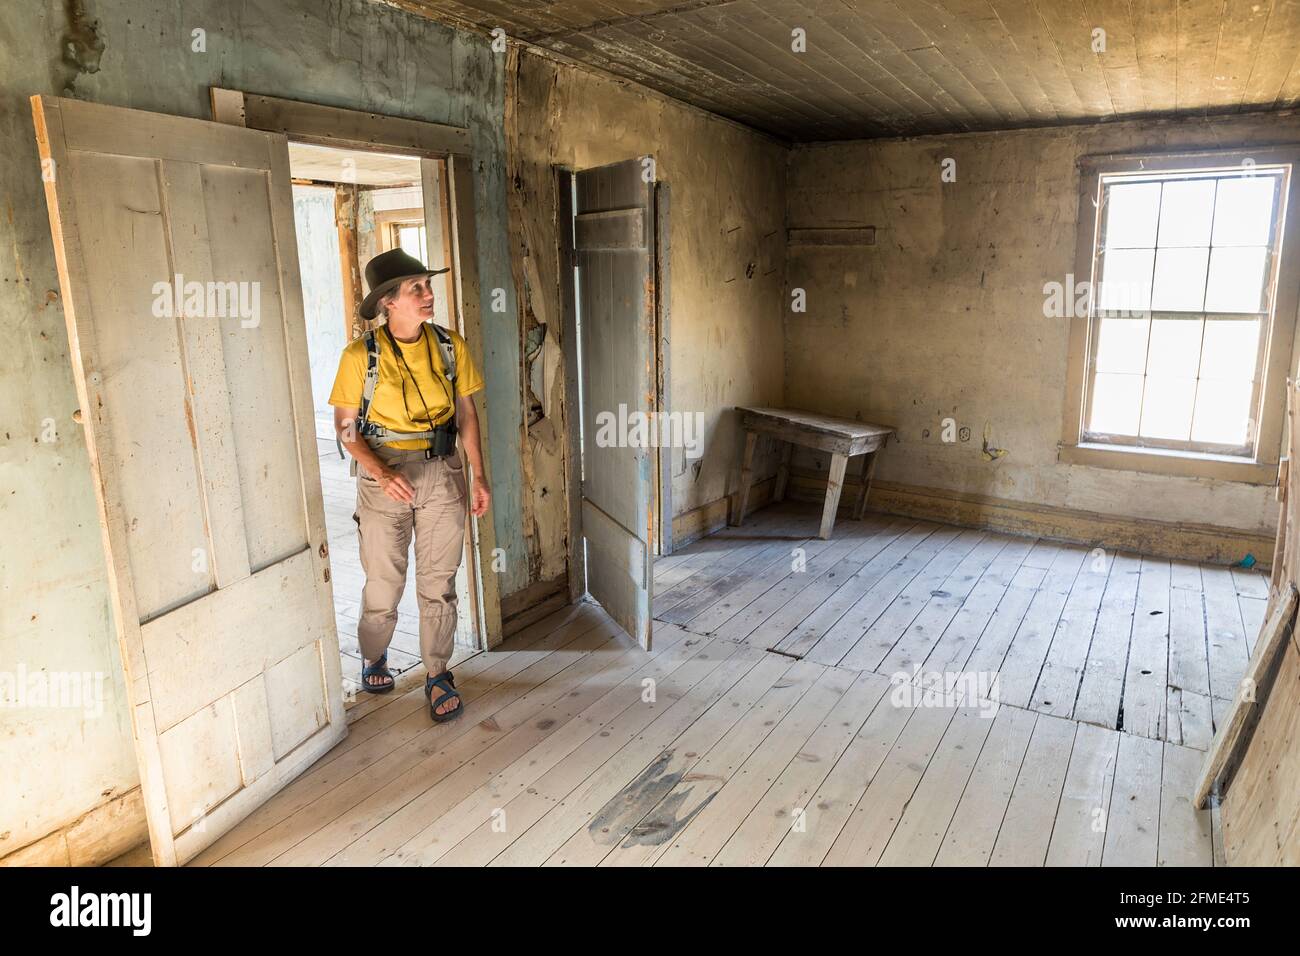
x=379 y=435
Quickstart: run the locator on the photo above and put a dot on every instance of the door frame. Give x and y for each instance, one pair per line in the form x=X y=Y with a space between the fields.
x=450 y=148
x=662 y=538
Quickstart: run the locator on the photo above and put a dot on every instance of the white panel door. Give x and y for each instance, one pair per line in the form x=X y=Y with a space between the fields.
x=179 y=271
x=613 y=242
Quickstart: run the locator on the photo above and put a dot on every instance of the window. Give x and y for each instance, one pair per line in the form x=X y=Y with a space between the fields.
x=1182 y=350
x=1185 y=283
x=410 y=238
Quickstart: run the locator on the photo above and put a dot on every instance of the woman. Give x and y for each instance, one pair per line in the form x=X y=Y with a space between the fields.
x=401 y=396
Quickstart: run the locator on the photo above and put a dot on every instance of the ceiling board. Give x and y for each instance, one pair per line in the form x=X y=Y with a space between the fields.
x=899 y=67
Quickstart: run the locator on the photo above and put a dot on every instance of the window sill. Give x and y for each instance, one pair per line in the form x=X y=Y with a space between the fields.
x=1162 y=462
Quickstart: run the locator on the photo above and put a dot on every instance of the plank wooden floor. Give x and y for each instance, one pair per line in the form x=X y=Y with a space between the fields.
x=787 y=715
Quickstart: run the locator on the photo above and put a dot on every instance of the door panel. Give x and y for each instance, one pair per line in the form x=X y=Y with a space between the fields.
x=613 y=250
x=198 y=420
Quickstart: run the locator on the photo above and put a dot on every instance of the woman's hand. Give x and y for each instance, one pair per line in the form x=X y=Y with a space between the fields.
x=480 y=499
x=395 y=486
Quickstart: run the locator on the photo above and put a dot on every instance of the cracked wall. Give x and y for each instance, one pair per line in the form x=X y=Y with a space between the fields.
x=727 y=267
x=943 y=316
x=55 y=612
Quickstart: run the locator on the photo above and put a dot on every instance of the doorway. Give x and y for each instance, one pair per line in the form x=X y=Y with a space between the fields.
x=349 y=206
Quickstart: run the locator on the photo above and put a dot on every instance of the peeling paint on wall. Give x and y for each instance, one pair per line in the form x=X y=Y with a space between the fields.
x=727 y=273
x=54 y=607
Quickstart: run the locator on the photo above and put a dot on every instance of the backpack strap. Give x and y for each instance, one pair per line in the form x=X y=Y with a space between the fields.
x=367 y=393
x=372 y=376
x=448 y=349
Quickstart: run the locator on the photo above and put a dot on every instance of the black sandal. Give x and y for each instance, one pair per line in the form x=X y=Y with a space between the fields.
x=448 y=685
x=378 y=669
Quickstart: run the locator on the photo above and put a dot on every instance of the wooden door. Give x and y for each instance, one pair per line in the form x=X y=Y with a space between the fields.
x=198 y=419
x=613 y=244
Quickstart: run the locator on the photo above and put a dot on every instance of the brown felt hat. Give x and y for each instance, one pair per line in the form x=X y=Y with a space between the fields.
x=386 y=271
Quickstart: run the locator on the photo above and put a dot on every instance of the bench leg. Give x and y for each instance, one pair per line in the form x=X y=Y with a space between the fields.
x=868 y=470
x=834 y=485
x=746 y=477
x=783 y=472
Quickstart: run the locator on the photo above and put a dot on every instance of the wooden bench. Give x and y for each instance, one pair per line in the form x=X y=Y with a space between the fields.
x=842 y=437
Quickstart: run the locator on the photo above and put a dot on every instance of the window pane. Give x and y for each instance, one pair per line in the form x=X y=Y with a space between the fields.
x=1115 y=402
x=1131 y=210
x=1231 y=349
x=1167 y=408
x=1126 y=281
x=1223 y=413
x=1180 y=280
x=1243 y=215
x=1175 y=348
x=1236 y=279
x=1122 y=345
x=1186 y=212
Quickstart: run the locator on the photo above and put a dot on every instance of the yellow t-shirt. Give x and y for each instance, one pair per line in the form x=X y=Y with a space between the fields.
x=387 y=407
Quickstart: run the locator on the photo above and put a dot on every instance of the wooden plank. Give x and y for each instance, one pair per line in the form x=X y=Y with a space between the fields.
x=1227 y=638
x=680 y=700
x=1133 y=821
x=786 y=804
x=1028 y=651
x=286 y=819
x=1146 y=678
x=1231 y=736
x=893 y=579
x=1079 y=830
x=919 y=638
x=974 y=827
x=365 y=832
x=1027 y=826
x=460 y=183
x=858 y=593
x=1185 y=837
x=595 y=831
x=610 y=230
x=836 y=798
x=960 y=638
x=868 y=829
x=355 y=129
x=1058 y=682
x=724 y=804
x=693 y=775
x=573 y=729
x=769 y=619
x=1102 y=688
x=920 y=832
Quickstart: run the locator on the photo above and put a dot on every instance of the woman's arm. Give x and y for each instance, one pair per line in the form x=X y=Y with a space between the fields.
x=467 y=425
x=390 y=482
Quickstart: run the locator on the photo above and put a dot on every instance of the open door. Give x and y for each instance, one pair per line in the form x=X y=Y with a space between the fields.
x=613 y=251
x=178 y=265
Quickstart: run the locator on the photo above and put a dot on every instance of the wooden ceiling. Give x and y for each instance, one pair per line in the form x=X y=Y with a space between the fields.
x=331 y=165
x=893 y=67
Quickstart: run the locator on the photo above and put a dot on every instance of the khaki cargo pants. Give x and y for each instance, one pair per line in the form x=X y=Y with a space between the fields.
x=437 y=519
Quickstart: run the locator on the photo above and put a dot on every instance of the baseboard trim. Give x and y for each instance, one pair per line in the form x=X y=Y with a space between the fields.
x=101 y=834
x=532 y=603
x=698 y=522
x=1183 y=540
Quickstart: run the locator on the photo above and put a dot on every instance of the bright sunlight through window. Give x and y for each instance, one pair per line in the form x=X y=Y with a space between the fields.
x=1185 y=270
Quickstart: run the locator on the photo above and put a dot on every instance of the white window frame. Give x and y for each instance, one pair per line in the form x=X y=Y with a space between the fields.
x=1257 y=465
